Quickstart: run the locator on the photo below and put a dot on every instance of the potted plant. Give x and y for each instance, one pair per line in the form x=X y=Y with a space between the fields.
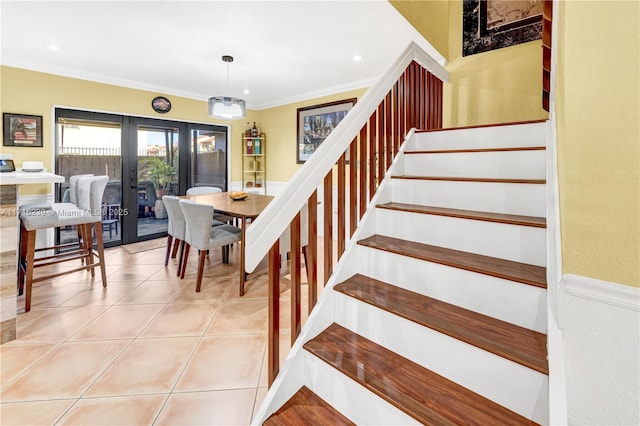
x=160 y=174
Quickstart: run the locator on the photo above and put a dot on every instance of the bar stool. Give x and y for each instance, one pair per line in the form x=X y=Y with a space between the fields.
x=86 y=214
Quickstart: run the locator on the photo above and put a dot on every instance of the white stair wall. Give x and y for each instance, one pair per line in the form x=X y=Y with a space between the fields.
x=497 y=164
x=519 y=304
x=494 y=197
x=508 y=136
x=524 y=244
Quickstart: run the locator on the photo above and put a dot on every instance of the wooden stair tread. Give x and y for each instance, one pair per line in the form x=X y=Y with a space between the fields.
x=480 y=126
x=537 y=222
x=518 y=344
x=500 y=268
x=472 y=179
x=421 y=393
x=306 y=408
x=472 y=150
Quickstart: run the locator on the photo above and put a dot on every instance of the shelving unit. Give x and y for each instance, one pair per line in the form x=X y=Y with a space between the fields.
x=254 y=164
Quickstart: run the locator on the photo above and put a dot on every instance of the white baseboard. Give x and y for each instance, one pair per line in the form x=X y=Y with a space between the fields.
x=603 y=291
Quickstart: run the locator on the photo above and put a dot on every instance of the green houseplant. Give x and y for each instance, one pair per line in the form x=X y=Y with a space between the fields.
x=160 y=174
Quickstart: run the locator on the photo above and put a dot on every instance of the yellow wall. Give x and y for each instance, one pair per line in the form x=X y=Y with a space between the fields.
x=430 y=18
x=279 y=124
x=493 y=87
x=35 y=93
x=598 y=138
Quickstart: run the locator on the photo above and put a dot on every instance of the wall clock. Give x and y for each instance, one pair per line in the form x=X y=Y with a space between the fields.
x=161 y=104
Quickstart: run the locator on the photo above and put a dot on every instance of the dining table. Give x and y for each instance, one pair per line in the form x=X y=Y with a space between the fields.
x=245 y=210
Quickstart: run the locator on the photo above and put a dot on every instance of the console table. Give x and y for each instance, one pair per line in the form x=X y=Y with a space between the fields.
x=9 y=228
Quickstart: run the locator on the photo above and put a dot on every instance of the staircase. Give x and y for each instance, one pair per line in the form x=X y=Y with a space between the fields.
x=437 y=311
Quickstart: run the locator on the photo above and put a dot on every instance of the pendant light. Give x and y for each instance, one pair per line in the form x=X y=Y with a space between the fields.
x=227 y=107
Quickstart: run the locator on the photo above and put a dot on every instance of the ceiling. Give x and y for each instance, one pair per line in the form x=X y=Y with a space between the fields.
x=285 y=51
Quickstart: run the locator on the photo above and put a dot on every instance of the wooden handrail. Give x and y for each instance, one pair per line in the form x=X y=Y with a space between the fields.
x=369 y=137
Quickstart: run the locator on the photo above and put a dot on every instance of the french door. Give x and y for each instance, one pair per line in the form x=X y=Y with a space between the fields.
x=145 y=159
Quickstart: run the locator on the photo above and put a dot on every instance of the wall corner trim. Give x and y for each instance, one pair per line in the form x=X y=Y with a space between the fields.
x=601 y=291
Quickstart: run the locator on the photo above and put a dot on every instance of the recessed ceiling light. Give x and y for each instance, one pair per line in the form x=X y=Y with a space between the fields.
x=53 y=47
x=356 y=58
x=246 y=91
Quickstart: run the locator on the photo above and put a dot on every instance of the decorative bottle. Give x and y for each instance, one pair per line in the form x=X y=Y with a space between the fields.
x=254 y=130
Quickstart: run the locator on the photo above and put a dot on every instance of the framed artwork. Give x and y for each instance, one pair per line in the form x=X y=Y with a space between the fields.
x=315 y=123
x=494 y=24
x=161 y=104
x=22 y=130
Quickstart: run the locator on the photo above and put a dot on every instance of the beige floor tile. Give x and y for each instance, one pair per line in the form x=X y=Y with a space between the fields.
x=59 y=324
x=147 y=366
x=119 y=322
x=152 y=292
x=152 y=257
x=284 y=347
x=58 y=292
x=16 y=359
x=132 y=273
x=129 y=410
x=116 y=257
x=181 y=319
x=228 y=407
x=166 y=274
x=261 y=394
x=64 y=373
x=98 y=295
x=224 y=362
x=34 y=413
x=212 y=290
x=240 y=316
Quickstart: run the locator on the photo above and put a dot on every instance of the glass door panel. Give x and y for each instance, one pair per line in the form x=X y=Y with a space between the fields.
x=209 y=157
x=158 y=172
x=91 y=143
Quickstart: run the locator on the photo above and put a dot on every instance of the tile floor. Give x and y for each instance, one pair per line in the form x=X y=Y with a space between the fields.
x=145 y=350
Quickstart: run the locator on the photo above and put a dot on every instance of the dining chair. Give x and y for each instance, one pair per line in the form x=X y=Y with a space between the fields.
x=202 y=236
x=176 y=230
x=85 y=215
x=218 y=218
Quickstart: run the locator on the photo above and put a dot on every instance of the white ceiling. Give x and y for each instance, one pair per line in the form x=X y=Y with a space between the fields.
x=284 y=51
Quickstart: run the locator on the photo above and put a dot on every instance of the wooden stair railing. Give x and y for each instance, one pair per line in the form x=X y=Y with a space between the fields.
x=414 y=101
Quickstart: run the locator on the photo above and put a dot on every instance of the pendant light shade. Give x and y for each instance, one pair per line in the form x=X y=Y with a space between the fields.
x=227 y=107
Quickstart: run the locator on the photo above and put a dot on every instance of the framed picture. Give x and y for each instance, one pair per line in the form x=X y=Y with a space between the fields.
x=22 y=130
x=494 y=24
x=161 y=104
x=315 y=123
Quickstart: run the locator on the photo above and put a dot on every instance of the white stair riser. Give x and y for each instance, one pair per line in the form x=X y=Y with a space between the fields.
x=488 y=137
x=350 y=398
x=507 y=383
x=500 y=164
x=523 y=244
x=517 y=303
x=509 y=198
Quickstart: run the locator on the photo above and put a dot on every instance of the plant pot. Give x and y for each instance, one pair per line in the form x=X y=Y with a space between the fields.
x=160 y=210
